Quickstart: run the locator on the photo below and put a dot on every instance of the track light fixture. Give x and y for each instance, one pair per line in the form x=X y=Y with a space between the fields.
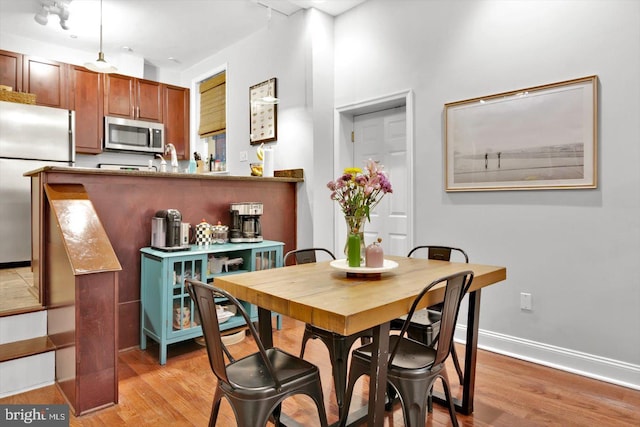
x=60 y=8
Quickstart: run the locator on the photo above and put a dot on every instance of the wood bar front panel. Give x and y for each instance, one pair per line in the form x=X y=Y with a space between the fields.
x=126 y=204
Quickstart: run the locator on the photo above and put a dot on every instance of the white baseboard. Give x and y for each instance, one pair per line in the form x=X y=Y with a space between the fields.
x=588 y=365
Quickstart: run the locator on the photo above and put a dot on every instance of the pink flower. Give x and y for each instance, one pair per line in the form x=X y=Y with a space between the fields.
x=358 y=191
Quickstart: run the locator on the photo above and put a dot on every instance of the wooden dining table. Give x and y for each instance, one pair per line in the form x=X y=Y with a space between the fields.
x=346 y=303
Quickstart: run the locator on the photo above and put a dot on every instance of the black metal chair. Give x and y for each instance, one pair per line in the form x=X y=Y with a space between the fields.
x=426 y=322
x=337 y=345
x=413 y=366
x=255 y=385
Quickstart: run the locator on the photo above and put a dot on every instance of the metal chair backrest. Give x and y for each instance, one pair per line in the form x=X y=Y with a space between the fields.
x=439 y=252
x=306 y=256
x=457 y=286
x=204 y=296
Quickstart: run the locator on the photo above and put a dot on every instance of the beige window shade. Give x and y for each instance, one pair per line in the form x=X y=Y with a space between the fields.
x=213 y=117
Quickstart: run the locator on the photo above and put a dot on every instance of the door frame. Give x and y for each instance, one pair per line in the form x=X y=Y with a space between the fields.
x=342 y=150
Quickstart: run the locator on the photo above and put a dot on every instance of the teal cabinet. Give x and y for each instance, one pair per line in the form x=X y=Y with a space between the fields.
x=168 y=315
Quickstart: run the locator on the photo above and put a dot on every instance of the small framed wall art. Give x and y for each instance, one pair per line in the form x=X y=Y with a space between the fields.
x=263 y=119
x=544 y=137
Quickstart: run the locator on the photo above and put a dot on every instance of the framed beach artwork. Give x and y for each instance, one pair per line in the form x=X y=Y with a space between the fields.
x=544 y=137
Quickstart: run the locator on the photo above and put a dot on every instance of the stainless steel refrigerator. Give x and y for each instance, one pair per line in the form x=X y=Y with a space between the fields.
x=31 y=136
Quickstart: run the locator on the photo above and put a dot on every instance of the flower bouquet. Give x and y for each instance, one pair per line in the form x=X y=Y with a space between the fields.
x=358 y=192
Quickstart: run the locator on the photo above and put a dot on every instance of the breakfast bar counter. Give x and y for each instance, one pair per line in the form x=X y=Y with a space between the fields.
x=125 y=202
x=152 y=174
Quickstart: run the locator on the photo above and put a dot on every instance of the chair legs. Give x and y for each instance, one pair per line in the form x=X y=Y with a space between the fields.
x=414 y=404
x=356 y=372
x=338 y=354
x=456 y=363
x=215 y=407
x=250 y=413
x=415 y=394
x=447 y=395
x=338 y=347
x=308 y=334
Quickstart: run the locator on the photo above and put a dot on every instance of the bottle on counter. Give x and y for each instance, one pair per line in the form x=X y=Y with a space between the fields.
x=353 y=250
x=375 y=254
x=212 y=161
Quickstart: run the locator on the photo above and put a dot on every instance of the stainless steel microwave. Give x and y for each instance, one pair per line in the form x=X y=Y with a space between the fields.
x=133 y=135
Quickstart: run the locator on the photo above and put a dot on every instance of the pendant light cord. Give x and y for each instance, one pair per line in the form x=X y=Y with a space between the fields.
x=100 y=25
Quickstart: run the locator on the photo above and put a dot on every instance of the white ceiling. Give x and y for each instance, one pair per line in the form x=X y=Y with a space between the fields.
x=186 y=30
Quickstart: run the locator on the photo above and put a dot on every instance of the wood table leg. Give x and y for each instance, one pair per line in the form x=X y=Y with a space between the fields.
x=465 y=405
x=264 y=327
x=470 y=353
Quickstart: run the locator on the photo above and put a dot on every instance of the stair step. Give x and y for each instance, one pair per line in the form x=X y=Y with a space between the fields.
x=25 y=348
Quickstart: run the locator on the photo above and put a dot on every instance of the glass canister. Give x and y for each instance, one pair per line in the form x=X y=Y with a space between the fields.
x=220 y=233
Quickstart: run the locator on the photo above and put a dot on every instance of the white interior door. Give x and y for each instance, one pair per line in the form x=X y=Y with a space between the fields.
x=382 y=136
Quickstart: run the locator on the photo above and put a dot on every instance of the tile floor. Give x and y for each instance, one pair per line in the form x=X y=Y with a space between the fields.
x=16 y=289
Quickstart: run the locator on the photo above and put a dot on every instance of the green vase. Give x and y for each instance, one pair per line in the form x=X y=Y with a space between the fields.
x=354 y=248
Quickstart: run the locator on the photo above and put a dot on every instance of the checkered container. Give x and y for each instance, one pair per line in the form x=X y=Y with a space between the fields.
x=204 y=236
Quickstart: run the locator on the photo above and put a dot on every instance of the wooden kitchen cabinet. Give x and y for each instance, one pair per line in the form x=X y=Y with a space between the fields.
x=133 y=98
x=93 y=96
x=48 y=80
x=42 y=77
x=86 y=100
x=11 y=70
x=176 y=119
x=149 y=100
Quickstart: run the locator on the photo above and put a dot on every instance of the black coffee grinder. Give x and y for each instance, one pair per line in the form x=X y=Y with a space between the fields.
x=165 y=230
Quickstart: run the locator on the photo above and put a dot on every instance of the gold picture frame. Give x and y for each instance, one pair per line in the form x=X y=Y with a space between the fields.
x=263 y=114
x=543 y=137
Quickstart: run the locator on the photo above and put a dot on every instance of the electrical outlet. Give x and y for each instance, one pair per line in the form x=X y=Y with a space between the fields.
x=525 y=301
x=244 y=156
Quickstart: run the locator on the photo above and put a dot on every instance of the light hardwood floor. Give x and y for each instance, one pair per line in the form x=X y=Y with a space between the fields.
x=509 y=392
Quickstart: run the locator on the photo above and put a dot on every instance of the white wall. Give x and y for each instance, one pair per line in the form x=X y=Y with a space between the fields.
x=283 y=51
x=575 y=251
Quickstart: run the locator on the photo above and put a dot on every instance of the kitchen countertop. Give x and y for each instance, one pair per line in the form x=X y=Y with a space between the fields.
x=147 y=174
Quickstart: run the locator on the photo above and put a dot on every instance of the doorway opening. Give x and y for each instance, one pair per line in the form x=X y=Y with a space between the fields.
x=401 y=164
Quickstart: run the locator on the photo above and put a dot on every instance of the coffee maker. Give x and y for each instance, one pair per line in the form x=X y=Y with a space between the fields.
x=166 y=230
x=245 y=222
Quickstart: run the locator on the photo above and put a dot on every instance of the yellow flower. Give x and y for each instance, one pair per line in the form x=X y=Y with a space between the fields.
x=352 y=171
x=358 y=191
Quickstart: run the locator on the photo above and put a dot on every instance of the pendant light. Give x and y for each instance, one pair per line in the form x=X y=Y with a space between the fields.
x=100 y=65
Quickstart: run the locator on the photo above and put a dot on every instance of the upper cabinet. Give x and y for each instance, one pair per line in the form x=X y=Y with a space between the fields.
x=42 y=77
x=176 y=119
x=86 y=99
x=93 y=95
x=133 y=98
x=47 y=80
x=11 y=70
x=149 y=100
